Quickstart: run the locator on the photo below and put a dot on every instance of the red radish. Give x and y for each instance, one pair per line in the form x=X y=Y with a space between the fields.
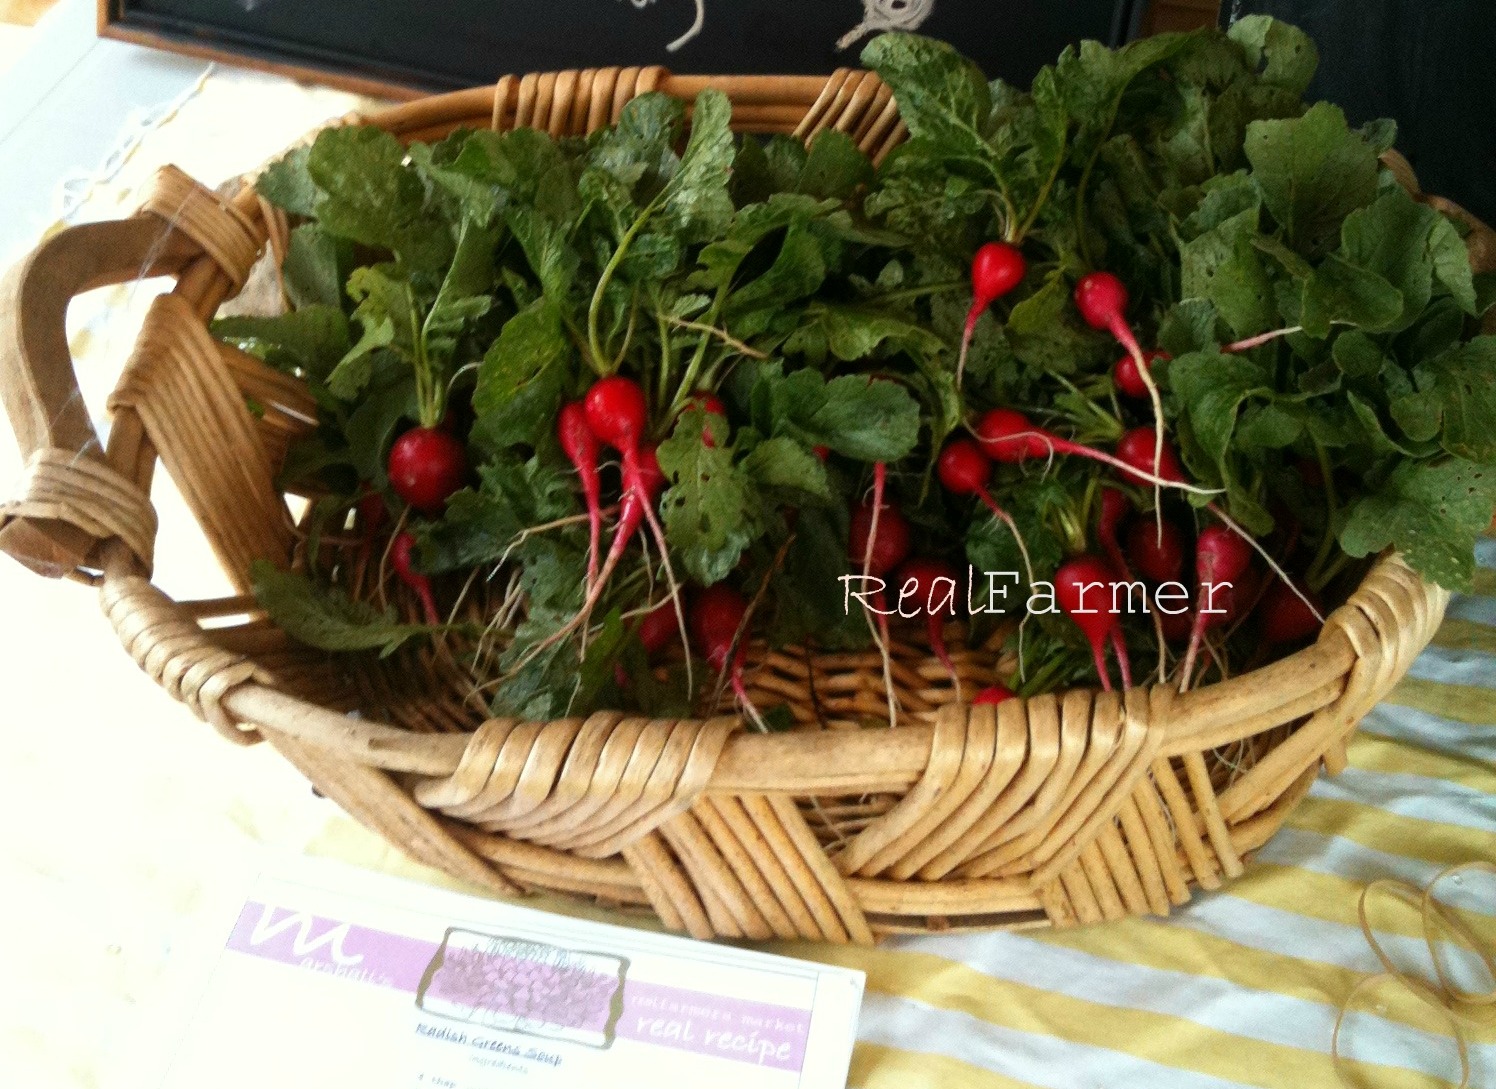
x=889 y=549
x=1156 y=550
x=930 y=587
x=580 y=446
x=371 y=515
x=401 y=558
x=1233 y=600
x=617 y=412
x=1284 y=616
x=964 y=469
x=1129 y=380
x=1102 y=301
x=993 y=694
x=426 y=465
x=1142 y=449
x=996 y=269
x=1176 y=626
x=712 y=405
x=716 y=614
x=643 y=482
x=1083 y=589
x=1008 y=436
x=371 y=511
x=1221 y=557
x=1138 y=450
x=648 y=482
x=1115 y=506
x=709 y=403
x=657 y=628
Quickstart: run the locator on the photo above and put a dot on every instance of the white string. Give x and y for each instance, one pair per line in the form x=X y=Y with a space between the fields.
x=691 y=32
x=881 y=15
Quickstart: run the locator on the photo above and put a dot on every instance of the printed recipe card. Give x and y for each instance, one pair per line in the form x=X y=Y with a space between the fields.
x=332 y=978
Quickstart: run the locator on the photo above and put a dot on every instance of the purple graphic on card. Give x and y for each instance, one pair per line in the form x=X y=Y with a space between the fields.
x=525 y=986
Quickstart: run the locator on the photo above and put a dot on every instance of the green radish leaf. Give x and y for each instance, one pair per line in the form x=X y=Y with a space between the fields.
x=492 y=523
x=287 y=184
x=786 y=469
x=798 y=271
x=522 y=380
x=697 y=204
x=1189 y=326
x=1284 y=54
x=1211 y=389
x=855 y=333
x=371 y=196
x=1338 y=292
x=315 y=265
x=1458 y=389
x=1222 y=266
x=1431 y=513
x=1267 y=427
x=310 y=340
x=712 y=510
x=806 y=599
x=539 y=682
x=464 y=297
x=834 y=168
x=1357 y=355
x=324 y=618
x=854 y=415
x=1312 y=171
x=942 y=96
x=1452 y=265
x=1393 y=238
x=386 y=313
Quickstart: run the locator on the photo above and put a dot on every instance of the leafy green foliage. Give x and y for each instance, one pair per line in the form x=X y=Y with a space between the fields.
x=521 y=379
x=490 y=278
x=853 y=415
x=309 y=341
x=324 y=618
x=1431 y=513
x=711 y=511
x=1312 y=172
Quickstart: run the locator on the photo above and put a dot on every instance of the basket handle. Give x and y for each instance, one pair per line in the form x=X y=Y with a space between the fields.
x=71 y=498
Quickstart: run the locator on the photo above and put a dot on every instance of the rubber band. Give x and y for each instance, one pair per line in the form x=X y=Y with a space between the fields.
x=1418 y=989
x=1445 y=998
x=1432 y=906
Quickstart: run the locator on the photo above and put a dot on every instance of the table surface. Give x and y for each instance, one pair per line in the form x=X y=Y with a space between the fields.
x=124 y=816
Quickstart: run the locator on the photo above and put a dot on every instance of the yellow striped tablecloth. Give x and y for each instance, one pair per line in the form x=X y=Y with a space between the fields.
x=1242 y=986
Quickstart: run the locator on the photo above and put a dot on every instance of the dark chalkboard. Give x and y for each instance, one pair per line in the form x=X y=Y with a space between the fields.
x=1421 y=63
x=462 y=43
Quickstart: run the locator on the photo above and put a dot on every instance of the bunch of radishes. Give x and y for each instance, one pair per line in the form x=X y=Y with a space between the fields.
x=427 y=464
x=1087 y=585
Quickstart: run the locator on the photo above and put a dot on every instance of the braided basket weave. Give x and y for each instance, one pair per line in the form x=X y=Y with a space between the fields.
x=1061 y=809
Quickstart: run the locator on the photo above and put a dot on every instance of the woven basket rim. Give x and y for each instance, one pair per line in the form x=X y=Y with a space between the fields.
x=402 y=782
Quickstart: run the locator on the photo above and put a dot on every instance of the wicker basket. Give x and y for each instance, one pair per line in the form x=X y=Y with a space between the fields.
x=1063 y=809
